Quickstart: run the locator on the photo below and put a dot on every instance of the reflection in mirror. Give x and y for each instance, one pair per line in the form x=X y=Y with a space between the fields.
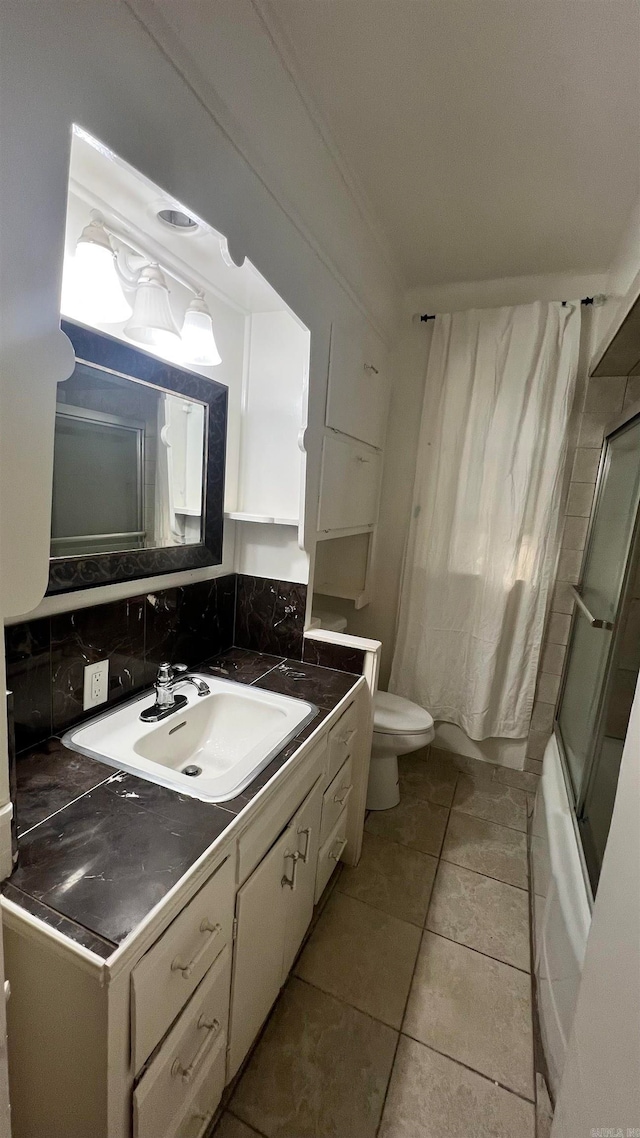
x=128 y=466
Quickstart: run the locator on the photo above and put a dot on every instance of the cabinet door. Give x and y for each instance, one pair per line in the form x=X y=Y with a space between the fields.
x=257 y=975
x=357 y=392
x=349 y=485
x=304 y=841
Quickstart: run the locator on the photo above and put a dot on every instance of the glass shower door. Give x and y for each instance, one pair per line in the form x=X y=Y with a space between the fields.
x=595 y=631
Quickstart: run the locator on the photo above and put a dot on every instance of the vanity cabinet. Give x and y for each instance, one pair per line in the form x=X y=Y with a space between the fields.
x=273 y=911
x=142 y=1044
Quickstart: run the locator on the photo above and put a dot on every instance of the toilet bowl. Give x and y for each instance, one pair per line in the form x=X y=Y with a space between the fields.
x=399 y=727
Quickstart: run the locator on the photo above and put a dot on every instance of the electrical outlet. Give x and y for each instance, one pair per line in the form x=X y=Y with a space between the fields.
x=96 y=684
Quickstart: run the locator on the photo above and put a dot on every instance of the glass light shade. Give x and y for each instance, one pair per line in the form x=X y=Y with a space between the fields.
x=198 y=341
x=152 y=322
x=91 y=287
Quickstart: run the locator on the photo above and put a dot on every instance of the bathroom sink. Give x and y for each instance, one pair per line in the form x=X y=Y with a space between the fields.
x=211 y=748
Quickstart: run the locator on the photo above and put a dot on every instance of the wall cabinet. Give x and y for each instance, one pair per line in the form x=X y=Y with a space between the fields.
x=273 y=911
x=349 y=484
x=357 y=393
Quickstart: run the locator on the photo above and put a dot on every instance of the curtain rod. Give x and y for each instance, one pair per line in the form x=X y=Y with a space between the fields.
x=585 y=300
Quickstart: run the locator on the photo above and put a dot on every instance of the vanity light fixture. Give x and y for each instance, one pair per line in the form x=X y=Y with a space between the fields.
x=152 y=321
x=98 y=280
x=95 y=292
x=198 y=341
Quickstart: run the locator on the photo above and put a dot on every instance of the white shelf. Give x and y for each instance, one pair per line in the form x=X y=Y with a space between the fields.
x=262 y=519
x=331 y=534
x=358 y=596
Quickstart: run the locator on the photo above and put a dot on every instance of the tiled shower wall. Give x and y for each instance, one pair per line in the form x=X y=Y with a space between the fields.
x=46 y=658
x=604 y=398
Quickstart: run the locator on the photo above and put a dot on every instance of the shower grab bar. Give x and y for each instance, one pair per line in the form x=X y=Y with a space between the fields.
x=593 y=621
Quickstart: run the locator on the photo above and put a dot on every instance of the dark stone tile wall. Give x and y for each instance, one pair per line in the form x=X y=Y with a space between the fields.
x=46 y=658
x=189 y=624
x=338 y=656
x=28 y=649
x=113 y=632
x=270 y=615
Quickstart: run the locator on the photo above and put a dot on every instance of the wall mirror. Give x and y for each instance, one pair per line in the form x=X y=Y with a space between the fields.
x=138 y=474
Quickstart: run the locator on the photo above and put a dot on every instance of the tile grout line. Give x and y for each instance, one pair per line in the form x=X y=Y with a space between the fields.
x=440 y=859
x=522 y=972
x=54 y=813
x=500 y=880
x=415 y=965
x=495 y=1082
x=466 y=1067
x=478 y=951
x=468 y=814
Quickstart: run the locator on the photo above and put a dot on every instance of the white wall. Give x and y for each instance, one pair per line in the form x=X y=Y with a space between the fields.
x=504 y=290
x=95 y=64
x=601 y=1081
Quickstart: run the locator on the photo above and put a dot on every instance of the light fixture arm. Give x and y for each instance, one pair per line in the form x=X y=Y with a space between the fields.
x=131 y=257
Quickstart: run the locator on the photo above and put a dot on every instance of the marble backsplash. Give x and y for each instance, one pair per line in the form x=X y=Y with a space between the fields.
x=190 y=624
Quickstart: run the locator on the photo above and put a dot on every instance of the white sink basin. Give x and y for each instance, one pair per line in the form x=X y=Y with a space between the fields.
x=229 y=736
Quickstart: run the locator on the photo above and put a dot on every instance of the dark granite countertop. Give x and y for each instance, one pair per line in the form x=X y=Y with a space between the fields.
x=99 y=848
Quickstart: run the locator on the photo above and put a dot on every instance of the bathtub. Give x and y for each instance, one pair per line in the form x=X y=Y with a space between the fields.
x=561 y=911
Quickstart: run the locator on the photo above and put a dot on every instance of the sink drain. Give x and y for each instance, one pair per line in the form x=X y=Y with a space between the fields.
x=192 y=770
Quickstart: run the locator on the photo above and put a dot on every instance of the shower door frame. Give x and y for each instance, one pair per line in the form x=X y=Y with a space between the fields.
x=578 y=795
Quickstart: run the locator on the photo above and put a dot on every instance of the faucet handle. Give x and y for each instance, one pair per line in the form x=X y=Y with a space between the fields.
x=167 y=671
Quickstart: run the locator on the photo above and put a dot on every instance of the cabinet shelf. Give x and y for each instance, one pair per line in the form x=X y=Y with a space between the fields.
x=263 y=519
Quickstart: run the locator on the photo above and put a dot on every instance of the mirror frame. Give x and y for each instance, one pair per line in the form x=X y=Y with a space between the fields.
x=126 y=362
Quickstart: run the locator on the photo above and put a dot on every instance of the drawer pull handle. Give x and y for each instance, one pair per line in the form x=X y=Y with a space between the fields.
x=187 y=1073
x=291 y=881
x=343 y=794
x=335 y=856
x=371 y=369
x=346 y=738
x=307 y=832
x=211 y=932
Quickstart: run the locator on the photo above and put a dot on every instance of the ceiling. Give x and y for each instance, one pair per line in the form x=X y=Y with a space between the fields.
x=492 y=138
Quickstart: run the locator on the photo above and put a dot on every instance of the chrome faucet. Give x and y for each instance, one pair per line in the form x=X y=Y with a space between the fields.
x=167 y=700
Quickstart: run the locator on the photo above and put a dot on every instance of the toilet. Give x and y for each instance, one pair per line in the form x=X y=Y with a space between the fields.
x=399 y=727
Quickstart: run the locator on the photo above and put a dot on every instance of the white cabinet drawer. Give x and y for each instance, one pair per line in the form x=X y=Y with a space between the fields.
x=341 y=740
x=167 y=975
x=349 y=484
x=194 y=1046
x=199 y=1111
x=330 y=854
x=357 y=396
x=335 y=799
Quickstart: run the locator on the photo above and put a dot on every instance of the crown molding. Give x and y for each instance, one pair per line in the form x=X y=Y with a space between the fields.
x=153 y=23
x=291 y=63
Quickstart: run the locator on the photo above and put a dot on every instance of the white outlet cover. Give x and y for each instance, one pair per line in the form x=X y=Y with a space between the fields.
x=96 y=684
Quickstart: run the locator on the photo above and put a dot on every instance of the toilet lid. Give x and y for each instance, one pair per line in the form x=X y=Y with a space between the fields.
x=394 y=715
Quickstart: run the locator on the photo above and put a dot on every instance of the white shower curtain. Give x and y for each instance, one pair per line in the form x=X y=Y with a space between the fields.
x=481 y=547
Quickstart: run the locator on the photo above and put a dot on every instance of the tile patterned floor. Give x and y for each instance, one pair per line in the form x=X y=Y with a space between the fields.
x=409 y=1011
